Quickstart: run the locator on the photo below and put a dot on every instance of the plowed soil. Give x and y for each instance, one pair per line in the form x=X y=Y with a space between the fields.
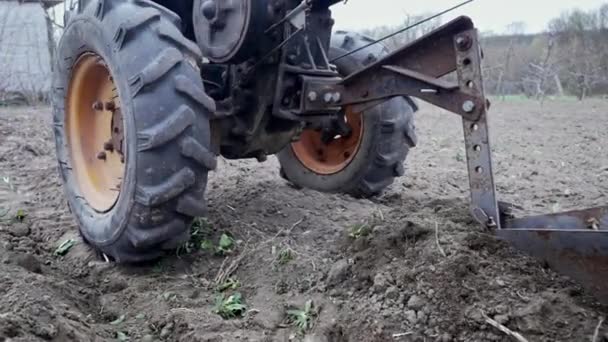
x=410 y=265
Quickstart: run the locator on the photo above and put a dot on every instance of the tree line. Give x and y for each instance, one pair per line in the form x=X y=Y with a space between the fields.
x=569 y=59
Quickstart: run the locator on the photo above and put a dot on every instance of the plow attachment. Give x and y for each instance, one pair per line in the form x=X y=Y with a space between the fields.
x=444 y=69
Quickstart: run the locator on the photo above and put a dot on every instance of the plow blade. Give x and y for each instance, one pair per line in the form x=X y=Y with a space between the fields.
x=574 y=243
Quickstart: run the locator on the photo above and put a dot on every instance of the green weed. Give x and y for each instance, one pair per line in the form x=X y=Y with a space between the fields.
x=302 y=319
x=229 y=307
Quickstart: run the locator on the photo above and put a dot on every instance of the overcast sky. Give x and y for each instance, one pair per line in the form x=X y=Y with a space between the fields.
x=489 y=15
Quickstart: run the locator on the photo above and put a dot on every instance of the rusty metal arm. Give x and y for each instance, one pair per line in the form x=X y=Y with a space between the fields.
x=415 y=70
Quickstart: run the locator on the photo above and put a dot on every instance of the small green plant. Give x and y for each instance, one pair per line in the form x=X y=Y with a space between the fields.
x=20 y=215
x=225 y=245
x=169 y=296
x=229 y=284
x=360 y=230
x=229 y=307
x=121 y=336
x=302 y=318
x=162 y=266
x=285 y=256
x=7 y=181
x=65 y=247
x=197 y=231
x=207 y=245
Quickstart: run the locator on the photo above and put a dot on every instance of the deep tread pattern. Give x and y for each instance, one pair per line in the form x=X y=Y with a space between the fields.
x=142 y=17
x=399 y=170
x=195 y=92
x=164 y=192
x=169 y=133
x=151 y=237
x=192 y=149
x=170 y=15
x=173 y=35
x=100 y=9
x=389 y=134
x=191 y=206
x=410 y=135
x=159 y=67
x=167 y=130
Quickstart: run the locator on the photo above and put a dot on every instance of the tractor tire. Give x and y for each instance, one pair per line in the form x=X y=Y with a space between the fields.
x=386 y=134
x=126 y=75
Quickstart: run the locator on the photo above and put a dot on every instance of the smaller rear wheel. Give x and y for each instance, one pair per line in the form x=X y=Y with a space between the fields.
x=362 y=153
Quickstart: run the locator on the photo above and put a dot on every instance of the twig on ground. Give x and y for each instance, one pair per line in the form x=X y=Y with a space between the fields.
x=224 y=274
x=524 y=298
x=295 y=225
x=381 y=214
x=517 y=336
x=437 y=240
x=402 y=334
x=596 y=334
x=283 y=229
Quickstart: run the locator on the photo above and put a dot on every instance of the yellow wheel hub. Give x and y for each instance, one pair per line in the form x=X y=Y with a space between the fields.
x=95 y=132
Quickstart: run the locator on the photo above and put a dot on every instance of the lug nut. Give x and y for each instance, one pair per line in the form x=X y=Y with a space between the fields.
x=98 y=105
x=108 y=146
x=336 y=97
x=312 y=96
x=468 y=106
x=110 y=106
x=101 y=155
x=209 y=9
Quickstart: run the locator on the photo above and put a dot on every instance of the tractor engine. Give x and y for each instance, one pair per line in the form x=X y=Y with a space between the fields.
x=259 y=52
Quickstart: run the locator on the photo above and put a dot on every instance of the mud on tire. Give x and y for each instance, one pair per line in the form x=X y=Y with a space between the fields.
x=166 y=122
x=387 y=137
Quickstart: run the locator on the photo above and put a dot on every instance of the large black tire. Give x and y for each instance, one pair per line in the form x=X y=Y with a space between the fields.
x=166 y=121
x=388 y=134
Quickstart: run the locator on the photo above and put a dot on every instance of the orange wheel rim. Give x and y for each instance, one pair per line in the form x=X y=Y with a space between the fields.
x=335 y=155
x=92 y=114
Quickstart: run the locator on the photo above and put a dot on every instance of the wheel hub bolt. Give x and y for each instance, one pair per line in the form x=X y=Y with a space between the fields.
x=97 y=105
x=312 y=96
x=101 y=155
x=468 y=106
x=209 y=9
x=336 y=97
x=108 y=146
x=463 y=43
x=110 y=106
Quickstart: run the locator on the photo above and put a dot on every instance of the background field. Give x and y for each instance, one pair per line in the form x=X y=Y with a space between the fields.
x=408 y=266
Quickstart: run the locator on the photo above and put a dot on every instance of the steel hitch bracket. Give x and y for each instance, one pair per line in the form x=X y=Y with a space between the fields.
x=444 y=69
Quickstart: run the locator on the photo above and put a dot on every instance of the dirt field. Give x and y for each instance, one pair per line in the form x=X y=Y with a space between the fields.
x=419 y=270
